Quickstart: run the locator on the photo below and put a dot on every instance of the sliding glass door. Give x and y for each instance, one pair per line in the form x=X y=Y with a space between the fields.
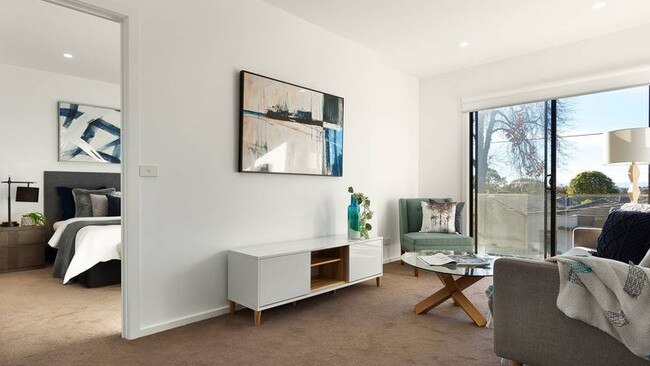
x=510 y=165
x=588 y=189
x=524 y=159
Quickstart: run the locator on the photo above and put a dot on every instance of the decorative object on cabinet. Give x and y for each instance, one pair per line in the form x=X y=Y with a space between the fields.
x=89 y=133
x=286 y=128
x=23 y=194
x=264 y=276
x=363 y=201
x=353 y=219
x=33 y=219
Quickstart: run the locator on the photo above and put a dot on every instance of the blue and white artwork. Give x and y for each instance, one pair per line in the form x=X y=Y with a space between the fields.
x=289 y=129
x=89 y=134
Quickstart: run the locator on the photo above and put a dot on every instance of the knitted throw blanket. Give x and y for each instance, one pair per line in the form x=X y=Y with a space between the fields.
x=609 y=295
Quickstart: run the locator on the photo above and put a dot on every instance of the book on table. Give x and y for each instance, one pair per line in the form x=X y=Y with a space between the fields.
x=440 y=259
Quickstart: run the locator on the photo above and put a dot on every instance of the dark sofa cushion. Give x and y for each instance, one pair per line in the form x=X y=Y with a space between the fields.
x=625 y=236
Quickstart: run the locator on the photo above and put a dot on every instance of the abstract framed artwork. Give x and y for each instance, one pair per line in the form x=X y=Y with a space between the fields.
x=89 y=133
x=289 y=129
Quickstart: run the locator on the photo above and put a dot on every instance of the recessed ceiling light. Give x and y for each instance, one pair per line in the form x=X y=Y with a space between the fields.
x=68 y=55
x=463 y=44
x=599 y=5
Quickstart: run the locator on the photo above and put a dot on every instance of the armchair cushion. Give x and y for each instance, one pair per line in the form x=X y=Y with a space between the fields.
x=415 y=242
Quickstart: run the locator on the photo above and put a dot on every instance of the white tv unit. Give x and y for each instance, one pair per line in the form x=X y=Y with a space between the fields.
x=264 y=276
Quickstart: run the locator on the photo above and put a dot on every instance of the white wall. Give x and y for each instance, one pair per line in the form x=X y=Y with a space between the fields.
x=444 y=128
x=200 y=206
x=29 y=127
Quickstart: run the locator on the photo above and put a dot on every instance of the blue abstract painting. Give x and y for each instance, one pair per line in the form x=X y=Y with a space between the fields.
x=286 y=128
x=89 y=133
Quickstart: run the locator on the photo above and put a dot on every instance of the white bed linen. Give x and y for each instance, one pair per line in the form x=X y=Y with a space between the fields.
x=93 y=244
x=60 y=226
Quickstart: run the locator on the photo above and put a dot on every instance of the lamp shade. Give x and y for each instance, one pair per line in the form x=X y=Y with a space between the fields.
x=26 y=194
x=627 y=146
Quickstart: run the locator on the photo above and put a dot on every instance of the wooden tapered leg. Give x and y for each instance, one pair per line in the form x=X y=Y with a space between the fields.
x=378 y=279
x=233 y=306
x=416 y=272
x=257 y=316
x=432 y=301
x=469 y=308
x=517 y=363
x=453 y=289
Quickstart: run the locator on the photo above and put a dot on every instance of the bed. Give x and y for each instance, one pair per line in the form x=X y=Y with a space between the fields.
x=103 y=273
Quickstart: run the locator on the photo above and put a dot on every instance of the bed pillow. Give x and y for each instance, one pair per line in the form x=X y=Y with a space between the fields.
x=625 y=236
x=438 y=217
x=67 y=201
x=114 y=205
x=459 y=215
x=82 y=202
x=99 y=203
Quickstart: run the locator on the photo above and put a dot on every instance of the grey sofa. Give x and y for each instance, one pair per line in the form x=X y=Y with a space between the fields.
x=529 y=328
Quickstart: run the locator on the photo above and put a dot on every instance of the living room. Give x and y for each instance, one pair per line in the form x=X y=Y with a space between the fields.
x=412 y=84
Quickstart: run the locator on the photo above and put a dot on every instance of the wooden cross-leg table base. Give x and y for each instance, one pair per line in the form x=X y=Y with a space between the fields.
x=453 y=289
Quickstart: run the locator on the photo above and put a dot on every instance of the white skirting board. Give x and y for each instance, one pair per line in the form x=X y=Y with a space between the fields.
x=392 y=259
x=179 y=322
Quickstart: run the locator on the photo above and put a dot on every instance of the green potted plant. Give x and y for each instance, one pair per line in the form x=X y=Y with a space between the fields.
x=33 y=219
x=366 y=214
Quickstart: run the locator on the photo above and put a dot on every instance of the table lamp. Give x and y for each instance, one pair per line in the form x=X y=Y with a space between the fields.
x=23 y=194
x=628 y=146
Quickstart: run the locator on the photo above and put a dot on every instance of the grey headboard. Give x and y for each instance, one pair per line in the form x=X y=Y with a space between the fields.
x=52 y=202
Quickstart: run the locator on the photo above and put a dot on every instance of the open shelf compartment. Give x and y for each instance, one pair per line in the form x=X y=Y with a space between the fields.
x=328 y=267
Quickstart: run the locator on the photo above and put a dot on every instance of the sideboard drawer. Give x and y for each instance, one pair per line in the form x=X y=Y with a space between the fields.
x=284 y=277
x=365 y=260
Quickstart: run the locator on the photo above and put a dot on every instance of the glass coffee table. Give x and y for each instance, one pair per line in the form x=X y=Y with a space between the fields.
x=453 y=289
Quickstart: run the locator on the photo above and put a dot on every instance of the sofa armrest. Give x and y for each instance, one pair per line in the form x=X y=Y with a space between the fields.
x=529 y=328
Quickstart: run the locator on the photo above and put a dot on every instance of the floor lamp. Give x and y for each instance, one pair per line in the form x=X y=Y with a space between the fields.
x=628 y=146
x=23 y=194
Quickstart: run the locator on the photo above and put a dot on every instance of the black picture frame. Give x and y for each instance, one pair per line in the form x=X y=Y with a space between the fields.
x=333 y=168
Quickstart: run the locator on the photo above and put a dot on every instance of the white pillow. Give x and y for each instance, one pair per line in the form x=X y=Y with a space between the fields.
x=645 y=262
x=438 y=217
x=99 y=204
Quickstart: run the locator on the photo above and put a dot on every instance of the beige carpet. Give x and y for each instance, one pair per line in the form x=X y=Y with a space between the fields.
x=46 y=323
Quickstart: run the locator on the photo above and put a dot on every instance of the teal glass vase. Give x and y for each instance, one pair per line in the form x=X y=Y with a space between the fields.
x=353 y=219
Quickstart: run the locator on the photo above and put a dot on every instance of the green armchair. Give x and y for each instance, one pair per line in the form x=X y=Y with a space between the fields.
x=412 y=240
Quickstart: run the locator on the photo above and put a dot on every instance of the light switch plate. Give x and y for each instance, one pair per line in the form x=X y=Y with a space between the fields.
x=148 y=170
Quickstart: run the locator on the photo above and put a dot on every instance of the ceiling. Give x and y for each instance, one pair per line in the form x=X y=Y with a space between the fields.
x=422 y=37
x=36 y=34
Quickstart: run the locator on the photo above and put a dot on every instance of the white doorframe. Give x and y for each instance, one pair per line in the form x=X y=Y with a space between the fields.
x=129 y=21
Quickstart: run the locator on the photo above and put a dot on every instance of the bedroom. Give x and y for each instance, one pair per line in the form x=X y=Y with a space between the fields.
x=60 y=97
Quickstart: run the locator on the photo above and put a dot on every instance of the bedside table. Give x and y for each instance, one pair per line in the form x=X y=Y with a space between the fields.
x=23 y=247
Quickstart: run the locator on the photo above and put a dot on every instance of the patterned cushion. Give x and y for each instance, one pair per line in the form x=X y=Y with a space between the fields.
x=459 y=214
x=438 y=217
x=414 y=212
x=625 y=236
